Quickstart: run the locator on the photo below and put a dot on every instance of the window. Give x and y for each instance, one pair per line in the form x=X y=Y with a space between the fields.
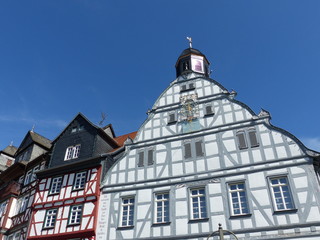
x=127 y=212
x=245 y=137
x=72 y=152
x=187 y=87
x=161 y=207
x=238 y=199
x=3 y=207
x=172 y=117
x=208 y=110
x=50 y=219
x=75 y=214
x=24 y=204
x=148 y=160
x=193 y=148
x=79 y=180
x=55 y=185
x=198 y=204
x=34 y=176
x=282 y=197
x=27 y=178
x=14 y=236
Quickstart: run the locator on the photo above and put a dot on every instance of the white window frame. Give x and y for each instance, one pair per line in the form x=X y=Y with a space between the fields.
x=72 y=152
x=197 y=197
x=50 y=218
x=75 y=214
x=28 y=177
x=56 y=184
x=127 y=211
x=238 y=197
x=161 y=207
x=34 y=176
x=80 y=180
x=24 y=204
x=283 y=195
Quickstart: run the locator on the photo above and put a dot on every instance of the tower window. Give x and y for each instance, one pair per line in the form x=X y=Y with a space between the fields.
x=208 y=110
x=187 y=87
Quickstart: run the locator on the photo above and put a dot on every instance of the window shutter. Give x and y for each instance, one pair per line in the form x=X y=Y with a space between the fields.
x=183 y=87
x=150 y=156
x=191 y=86
x=172 y=117
x=253 y=138
x=141 y=159
x=187 y=150
x=241 y=140
x=209 y=110
x=199 y=151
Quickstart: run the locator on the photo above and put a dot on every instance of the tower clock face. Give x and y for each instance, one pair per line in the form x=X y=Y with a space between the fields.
x=189 y=107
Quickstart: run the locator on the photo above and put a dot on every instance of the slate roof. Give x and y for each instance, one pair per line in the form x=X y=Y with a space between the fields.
x=121 y=139
x=40 y=139
x=10 y=150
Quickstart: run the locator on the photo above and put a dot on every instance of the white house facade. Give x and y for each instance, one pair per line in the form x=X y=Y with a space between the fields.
x=202 y=158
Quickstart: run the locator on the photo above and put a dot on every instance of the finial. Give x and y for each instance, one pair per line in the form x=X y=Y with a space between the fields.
x=33 y=128
x=11 y=144
x=190 y=41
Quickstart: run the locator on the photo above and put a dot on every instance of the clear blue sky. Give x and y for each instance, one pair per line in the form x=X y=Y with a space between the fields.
x=58 y=58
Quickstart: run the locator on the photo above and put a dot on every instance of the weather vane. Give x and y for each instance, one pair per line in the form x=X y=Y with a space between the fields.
x=190 y=41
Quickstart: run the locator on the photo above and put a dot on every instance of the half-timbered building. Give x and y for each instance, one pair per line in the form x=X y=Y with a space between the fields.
x=33 y=155
x=7 y=157
x=202 y=158
x=66 y=202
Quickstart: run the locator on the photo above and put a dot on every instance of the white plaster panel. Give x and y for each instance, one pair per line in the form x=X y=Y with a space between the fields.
x=227 y=161
x=277 y=137
x=156 y=122
x=128 y=234
x=216 y=89
x=230 y=145
x=282 y=220
x=301 y=182
x=268 y=152
x=216 y=204
x=229 y=118
x=131 y=162
x=122 y=164
x=181 y=226
x=247 y=114
x=156 y=133
x=131 y=176
x=145 y=227
x=260 y=219
x=145 y=195
x=261 y=196
x=207 y=90
x=162 y=171
x=140 y=174
x=201 y=165
x=265 y=139
x=210 y=137
x=294 y=218
x=295 y=150
x=247 y=223
x=161 y=157
x=162 y=101
x=150 y=173
x=65 y=212
x=281 y=151
x=189 y=167
x=227 y=107
x=239 y=116
x=313 y=214
x=113 y=178
x=213 y=163
x=256 y=155
x=147 y=134
x=297 y=170
x=194 y=228
x=88 y=208
x=302 y=196
x=219 y=120
x=245 y=157
x=257 y=180
x=211 y=148
x=236 y=224
x=177 y=169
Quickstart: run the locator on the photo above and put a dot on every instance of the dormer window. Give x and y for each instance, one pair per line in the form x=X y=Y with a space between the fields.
x=72 y=152
x=208 y=111
x=77 y=128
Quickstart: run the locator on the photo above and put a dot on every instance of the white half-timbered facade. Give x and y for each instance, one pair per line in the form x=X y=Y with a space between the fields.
x=202 y=158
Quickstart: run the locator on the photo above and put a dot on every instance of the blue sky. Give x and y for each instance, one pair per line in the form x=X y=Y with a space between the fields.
x=58 y=58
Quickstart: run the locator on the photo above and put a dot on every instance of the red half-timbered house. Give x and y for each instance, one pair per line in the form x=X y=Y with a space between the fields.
x=33 y=155
x=67 y=197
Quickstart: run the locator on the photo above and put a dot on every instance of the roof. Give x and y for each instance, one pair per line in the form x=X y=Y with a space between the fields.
x=121 y=139
x=189 y=51
x=40 y=139
x=10 y=150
